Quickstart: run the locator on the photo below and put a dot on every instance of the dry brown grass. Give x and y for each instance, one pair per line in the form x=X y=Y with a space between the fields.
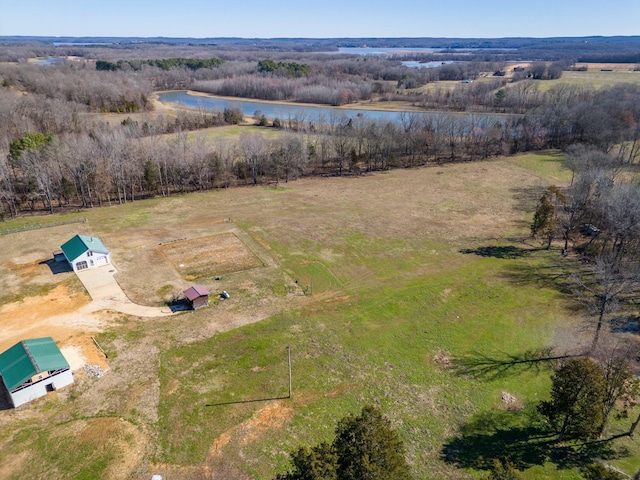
x=210 y=256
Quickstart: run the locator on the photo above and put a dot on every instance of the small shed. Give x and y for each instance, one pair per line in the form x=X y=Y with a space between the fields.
x=84 y=252
x=198 y=296
x=33 y=367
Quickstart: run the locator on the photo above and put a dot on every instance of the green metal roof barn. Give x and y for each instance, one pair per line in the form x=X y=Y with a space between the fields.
x=32 y=367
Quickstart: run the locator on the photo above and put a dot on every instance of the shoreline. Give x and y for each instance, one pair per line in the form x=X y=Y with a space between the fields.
x=371 y=105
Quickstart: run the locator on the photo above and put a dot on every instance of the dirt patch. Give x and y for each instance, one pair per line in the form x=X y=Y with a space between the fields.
x=54 y=314
x=122 y=438
x=80 y=350
x=12 y=464
x=272 y=416
x=210 y=256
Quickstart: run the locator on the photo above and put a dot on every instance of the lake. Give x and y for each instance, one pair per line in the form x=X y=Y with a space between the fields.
x=48 y=60
x=322 y=114
x=417 y=64
x=387 y=51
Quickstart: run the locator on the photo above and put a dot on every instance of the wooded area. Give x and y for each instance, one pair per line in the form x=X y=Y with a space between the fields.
x=57 y=150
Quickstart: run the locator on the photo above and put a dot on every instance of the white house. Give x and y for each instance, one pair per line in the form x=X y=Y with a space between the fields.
x=31 y=368
x=85 y=252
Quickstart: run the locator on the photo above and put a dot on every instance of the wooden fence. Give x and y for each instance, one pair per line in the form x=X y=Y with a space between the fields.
x=37 y=226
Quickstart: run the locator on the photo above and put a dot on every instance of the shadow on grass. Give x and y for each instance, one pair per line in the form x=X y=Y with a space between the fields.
x=527 y=198
x=554 y=272
x=239 y=402
x=490 y=367
x=505 y=252
x=57 y=267
x=182 y=305
x=519 y=438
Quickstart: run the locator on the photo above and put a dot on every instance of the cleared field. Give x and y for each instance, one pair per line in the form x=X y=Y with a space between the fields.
x=210 y=256
x=596 y=78
x=410 y=271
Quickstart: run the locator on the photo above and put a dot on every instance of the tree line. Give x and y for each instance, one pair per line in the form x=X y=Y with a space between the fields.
x=333 y=146
x=162 y=64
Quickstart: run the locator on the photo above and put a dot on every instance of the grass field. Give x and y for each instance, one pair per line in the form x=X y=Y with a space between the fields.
x=595 y=78
x=412 y=278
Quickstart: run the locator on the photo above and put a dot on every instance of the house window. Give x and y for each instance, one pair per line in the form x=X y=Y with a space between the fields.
x=81 y=265
x=89 y=253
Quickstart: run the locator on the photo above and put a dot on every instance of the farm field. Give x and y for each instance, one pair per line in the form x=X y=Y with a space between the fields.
x=384 y=286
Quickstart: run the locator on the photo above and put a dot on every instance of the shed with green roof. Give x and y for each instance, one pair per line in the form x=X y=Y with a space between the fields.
x=83 y=251
x=33 y=367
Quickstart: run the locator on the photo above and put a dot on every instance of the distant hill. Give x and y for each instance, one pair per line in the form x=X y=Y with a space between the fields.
x=621 y=49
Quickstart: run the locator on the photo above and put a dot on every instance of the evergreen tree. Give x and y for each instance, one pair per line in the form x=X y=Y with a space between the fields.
x=597 y=471
x=503 y=471
x=369 y=449
x=545 y=218
x=577 y=400
x=317 y=463
x=365 y=448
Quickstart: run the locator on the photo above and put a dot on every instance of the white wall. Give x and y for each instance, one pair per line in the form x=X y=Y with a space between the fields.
x=39 y=389
x=97 y=258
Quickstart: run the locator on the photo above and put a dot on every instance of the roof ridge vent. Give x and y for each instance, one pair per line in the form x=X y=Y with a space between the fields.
x=31 y=359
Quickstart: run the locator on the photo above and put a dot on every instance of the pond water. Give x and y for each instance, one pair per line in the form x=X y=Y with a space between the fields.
x=382 y=50
x=48 y=60
x=321 y=114
x=416 y=64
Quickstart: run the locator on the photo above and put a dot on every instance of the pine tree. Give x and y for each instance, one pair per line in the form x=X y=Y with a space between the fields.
x=369 y=449
x=577 y=400
x=365 y=448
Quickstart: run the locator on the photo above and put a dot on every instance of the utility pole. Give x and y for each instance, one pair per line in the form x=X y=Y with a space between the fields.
x=289 y=360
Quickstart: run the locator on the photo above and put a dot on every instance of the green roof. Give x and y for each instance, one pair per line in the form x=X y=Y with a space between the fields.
x=29 y=357
x=80 y=244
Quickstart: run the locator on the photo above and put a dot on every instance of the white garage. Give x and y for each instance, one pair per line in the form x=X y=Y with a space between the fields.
x=84 y=252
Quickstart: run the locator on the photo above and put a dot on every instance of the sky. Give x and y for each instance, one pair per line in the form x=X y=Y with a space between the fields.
x=320 y=18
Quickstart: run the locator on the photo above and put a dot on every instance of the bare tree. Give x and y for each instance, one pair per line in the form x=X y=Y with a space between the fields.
x=606 y=282
x=254 y=150
x=289 y=157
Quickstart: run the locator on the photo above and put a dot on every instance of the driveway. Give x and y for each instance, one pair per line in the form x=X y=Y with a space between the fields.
x=107 y=294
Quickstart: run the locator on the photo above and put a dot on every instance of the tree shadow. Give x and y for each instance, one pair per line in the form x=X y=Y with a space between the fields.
x=499 y=434
x=505 y=252
x=490 y=367
x=526 y=198
x=581 y=455
x=56 y=266
x=555 y=273
x=239 y=402
x=520 y=438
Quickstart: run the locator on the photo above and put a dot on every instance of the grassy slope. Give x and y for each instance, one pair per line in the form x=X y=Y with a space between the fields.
x=388 y=313
x=377 y=346
x=377 y=343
